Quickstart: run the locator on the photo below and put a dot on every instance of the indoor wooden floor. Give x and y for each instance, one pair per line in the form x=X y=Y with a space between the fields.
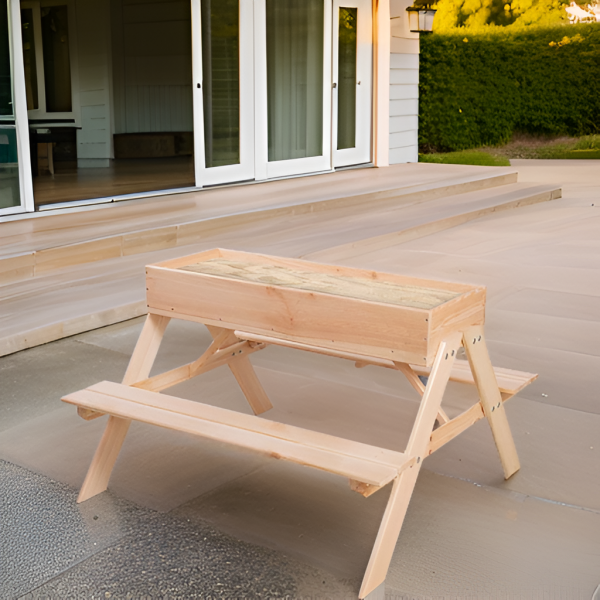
x=124 y=176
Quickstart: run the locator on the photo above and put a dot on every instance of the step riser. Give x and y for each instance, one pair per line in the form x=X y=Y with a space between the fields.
x=25 y=266
x=380 y=242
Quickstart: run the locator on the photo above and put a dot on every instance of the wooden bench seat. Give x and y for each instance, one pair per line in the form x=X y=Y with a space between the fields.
x=359 y=462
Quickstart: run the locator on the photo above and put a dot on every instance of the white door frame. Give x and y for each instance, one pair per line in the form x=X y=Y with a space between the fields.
x=361 y=153
x=298 y=166
x=245 y=169
x=20 y=112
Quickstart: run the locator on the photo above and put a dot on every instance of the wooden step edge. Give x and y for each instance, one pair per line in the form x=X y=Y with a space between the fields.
x=71 y=326
x=387 y=240
x=30 y=264
x=369 y=472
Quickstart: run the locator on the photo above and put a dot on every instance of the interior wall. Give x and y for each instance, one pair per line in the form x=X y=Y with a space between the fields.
x=93 y=91
x=152 y=65
x=404 y=87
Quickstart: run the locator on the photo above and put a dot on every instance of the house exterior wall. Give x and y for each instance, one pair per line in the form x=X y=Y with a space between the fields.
x=404 y=87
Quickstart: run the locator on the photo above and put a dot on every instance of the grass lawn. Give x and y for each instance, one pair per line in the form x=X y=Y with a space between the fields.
x=522 y=146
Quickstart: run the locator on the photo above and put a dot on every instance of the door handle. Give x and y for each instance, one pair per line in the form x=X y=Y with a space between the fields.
x=335 y=85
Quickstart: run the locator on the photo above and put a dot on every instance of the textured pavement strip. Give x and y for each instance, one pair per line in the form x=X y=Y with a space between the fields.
x=51 y=547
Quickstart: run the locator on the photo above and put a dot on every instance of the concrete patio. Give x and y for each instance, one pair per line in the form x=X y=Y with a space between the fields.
x=188 y=518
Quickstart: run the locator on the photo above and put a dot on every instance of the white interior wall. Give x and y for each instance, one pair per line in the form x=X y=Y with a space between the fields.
x=152 y=59
x=93 y=92
x=404 y=86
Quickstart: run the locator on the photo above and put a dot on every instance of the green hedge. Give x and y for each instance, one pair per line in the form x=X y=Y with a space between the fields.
x=477 y=89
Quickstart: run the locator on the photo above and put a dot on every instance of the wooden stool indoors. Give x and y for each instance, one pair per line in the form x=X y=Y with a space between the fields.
x=249 y=301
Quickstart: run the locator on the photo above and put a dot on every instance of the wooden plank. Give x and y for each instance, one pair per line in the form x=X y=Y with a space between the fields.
x=509 y=381
x=146 y=349
x=239 y=420
x=387 y=331
x=418 y=442
x=491 y=400
x=418 y=385
x=442 y=435
x=244 y=373
x=96 y=480
x=344 y=457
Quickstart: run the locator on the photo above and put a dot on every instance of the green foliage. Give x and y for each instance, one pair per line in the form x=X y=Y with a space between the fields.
x=481 y=15
x=477 y=89
x=474 y=157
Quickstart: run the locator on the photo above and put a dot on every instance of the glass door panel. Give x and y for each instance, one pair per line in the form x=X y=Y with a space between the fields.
x=352 y=68
x=223 y=75
x=293 y=87
x=14 y=148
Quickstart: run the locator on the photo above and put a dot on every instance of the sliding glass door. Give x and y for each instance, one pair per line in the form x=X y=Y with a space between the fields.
x=281 y=87
x=352 y=74
x=223 y=67
x=293 y=87
x=15 y=173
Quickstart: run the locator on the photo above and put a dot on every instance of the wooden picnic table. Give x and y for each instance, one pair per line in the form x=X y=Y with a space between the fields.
x=249 y=301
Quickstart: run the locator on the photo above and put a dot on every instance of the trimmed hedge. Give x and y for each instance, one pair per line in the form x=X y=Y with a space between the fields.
x=476 y=89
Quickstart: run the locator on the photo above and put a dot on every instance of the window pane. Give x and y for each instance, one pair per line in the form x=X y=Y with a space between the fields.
x=57 y=68
x=347 y=79
x=6 y=107
x=9 y=169
x=31 y=84
x=221 y=81
x=295 y=78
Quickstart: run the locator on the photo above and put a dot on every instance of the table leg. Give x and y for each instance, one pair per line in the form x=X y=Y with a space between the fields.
x=404 y=484
x=245 y=375
x=491 y=400
x=96 y=480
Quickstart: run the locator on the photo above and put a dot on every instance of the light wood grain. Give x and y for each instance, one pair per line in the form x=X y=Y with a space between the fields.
x=351 y=459
x=402 y=489
x=491 y=400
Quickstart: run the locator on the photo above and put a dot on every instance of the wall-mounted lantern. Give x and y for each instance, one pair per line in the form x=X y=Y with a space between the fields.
x=420 y=19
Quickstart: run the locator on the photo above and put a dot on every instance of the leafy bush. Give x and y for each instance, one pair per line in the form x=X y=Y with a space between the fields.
x=477 y=89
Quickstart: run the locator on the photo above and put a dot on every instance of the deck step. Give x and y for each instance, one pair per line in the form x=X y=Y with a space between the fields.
x=81 y=297
x=357 y=461
x=47 y=242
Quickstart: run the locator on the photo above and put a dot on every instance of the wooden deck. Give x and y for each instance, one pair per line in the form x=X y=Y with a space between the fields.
x=64 y=273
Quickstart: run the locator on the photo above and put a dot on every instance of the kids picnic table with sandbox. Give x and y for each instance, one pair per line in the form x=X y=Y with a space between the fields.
x=249 y=301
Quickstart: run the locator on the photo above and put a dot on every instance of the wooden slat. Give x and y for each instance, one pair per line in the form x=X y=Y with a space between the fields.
x=509 y=381
x=442 y=435
x=351 y=459
x=418 y=442
x=491 y=400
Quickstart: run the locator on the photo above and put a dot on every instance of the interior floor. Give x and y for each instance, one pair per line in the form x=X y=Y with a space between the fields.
x=124 y=176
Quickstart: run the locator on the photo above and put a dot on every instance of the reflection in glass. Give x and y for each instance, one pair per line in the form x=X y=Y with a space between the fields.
x=31 y=84
x=9 y=169
x=221 y=81
x=57 y=68
x=6 y=107
x=295 y=78
x=346 y=136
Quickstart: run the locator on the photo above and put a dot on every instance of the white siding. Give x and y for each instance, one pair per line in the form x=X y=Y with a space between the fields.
x=404 y=108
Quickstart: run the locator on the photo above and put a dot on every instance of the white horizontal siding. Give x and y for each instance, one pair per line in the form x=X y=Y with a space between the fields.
x=404 y=107
x=404 y=155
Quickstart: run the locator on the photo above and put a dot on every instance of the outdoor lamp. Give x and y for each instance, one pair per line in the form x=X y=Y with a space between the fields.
x=420 y=19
